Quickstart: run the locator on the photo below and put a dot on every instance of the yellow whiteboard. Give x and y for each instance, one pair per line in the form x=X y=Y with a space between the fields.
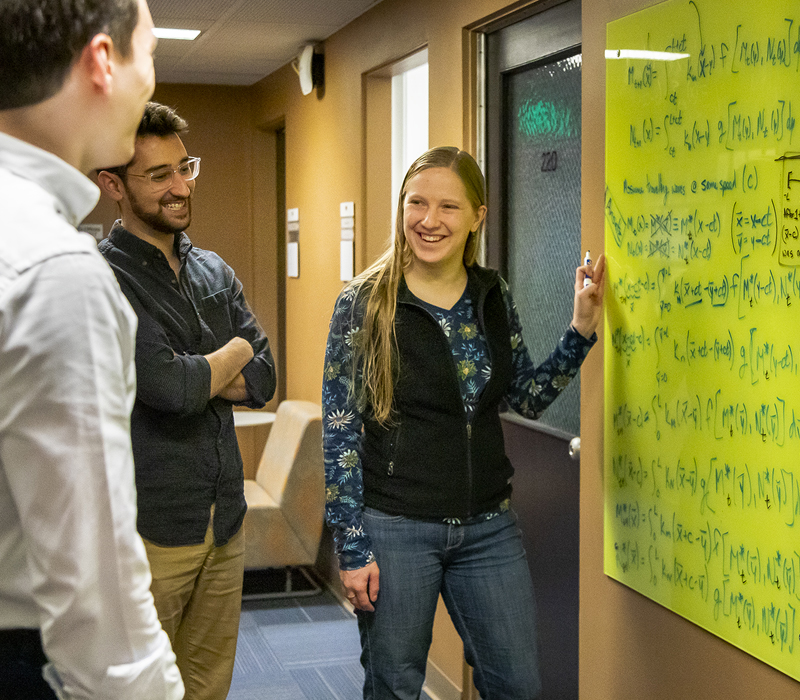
x=702 y=343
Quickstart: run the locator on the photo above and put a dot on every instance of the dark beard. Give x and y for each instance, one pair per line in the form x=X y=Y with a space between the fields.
x=159 y=222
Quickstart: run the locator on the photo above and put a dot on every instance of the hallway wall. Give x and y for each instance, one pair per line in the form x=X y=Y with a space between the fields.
x=325 y=154
x=233 y=203
x=629 y=646
x=325 y=165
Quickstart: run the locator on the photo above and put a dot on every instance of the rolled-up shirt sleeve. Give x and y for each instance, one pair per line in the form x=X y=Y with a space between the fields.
x=182 y=320
x=259 y=374
x=75 y=566
x=168 y=381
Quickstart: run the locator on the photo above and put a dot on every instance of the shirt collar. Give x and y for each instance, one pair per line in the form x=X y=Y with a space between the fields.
x=75 y=194
x=182 y=245
x=124 y=239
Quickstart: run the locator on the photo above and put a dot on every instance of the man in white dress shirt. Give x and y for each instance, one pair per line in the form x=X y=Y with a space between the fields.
x=77 y=619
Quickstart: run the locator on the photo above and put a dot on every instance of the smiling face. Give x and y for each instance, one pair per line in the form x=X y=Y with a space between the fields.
x=150 y=209
x=438 y=218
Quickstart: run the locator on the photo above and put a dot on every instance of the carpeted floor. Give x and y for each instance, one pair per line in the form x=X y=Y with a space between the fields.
x=303 y=648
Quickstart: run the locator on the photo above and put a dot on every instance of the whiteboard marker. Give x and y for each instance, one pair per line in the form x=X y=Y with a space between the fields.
x=588 y=279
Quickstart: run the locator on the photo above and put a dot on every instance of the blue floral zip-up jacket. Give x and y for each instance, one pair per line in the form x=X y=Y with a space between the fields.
x=443 y=457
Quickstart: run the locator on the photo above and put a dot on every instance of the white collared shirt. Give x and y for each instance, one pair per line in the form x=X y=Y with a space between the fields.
x=71 y=561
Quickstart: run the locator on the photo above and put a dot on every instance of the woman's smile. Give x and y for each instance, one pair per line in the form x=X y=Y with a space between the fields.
x=438 y=217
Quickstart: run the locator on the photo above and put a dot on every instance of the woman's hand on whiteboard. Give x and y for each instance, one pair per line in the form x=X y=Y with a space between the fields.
x=361 y=586
x=588 y=304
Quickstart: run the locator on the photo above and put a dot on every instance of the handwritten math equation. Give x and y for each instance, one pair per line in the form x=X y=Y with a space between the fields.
x=702 y=335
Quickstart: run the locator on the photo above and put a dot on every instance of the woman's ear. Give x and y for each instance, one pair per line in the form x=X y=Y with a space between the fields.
x=111 y=185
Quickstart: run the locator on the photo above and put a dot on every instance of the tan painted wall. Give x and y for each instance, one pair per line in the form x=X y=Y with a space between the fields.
x=233 y=208
x=222 y=134
x=629 y=646
x=325 y=154
x=325 y=166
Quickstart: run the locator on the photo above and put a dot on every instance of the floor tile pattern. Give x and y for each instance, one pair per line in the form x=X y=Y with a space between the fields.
x=303 y=648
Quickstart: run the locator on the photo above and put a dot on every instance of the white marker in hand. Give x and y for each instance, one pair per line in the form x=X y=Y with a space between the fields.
x=587 y=280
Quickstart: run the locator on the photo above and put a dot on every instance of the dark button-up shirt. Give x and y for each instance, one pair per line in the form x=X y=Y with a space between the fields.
x=184 y=444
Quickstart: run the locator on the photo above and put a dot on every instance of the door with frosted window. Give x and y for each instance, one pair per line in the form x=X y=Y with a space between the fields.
x=542 y=157
x=533 y=176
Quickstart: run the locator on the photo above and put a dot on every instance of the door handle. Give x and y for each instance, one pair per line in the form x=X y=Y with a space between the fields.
x=575 y=448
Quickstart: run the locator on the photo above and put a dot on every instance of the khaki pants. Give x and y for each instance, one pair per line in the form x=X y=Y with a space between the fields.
x=198 y=596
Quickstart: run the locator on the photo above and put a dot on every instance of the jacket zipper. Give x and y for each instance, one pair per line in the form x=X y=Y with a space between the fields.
x=469 y=468
x=479 y=316
x=392 y=450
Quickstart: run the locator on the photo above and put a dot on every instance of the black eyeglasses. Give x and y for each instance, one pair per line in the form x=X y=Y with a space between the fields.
x=162 y=178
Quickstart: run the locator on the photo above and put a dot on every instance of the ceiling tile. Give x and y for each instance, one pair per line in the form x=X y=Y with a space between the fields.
x=335 y=12
x=246 y=38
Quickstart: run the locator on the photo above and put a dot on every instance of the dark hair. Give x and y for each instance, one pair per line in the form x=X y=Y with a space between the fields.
x=160 y=120
x=157 y=120
x=40 y=40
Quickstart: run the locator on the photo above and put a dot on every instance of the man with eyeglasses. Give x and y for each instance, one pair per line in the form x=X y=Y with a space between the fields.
x=77 y=618
x=199 y=351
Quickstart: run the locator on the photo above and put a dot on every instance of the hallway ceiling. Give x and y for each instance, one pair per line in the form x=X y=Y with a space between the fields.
x=242 y=41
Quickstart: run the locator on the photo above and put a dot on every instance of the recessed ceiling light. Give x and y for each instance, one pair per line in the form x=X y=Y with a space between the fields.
x=646 y=55
x=185 y=34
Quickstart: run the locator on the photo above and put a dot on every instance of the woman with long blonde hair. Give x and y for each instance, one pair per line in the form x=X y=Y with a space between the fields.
x=423 y=348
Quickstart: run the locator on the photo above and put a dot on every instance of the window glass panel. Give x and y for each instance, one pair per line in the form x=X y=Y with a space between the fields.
x=409 y=122
x=542 y=148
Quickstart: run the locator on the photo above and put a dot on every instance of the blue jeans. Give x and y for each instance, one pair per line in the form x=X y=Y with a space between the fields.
x=482 y=573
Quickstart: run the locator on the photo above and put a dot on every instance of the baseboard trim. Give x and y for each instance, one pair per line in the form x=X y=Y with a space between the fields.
x=439 y=686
